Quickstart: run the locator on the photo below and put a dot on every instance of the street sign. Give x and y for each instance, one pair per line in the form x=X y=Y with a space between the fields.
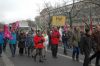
x=58 y=20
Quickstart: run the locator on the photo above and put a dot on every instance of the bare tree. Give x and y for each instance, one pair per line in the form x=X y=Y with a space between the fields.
x=96 y=2
x=75 y=8
x=72 y=10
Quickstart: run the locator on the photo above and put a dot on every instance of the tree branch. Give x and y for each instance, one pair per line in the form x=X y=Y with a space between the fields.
x=92 y=3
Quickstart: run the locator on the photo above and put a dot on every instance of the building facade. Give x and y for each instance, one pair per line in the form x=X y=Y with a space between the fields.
x=80 y=12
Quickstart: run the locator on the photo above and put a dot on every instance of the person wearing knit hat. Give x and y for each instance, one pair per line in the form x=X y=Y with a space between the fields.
x=86 y=46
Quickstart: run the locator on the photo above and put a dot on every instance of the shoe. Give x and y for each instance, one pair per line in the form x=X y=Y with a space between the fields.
x=41 y=61
x=34 y=58
x=73 y=59
x=77 y=60
x=65 y=53
x=55 y=57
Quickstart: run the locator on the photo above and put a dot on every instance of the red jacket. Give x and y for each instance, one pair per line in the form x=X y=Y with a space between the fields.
x=38 y=41
x=55 y=37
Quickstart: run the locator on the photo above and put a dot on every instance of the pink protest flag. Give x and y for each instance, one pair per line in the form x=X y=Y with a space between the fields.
x=15 y=26
x=7 y=33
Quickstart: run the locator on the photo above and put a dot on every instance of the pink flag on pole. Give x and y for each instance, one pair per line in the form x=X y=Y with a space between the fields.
x=83 y=24
x=65 y=27
x=15 y=26
x=7 y=33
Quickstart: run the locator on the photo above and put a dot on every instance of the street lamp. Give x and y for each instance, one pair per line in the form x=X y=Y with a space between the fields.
x=70 y=18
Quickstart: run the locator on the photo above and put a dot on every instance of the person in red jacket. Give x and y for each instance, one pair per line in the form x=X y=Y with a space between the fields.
x=55 y=38
x=39 y=40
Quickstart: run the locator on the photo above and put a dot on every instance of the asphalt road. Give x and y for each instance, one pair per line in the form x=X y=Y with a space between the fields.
x=62 y=60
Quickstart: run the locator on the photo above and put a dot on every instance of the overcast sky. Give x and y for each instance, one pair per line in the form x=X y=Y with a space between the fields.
x=12 y=10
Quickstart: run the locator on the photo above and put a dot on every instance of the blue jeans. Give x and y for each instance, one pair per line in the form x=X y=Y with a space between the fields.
x=65 y=46
x=75 y=52
x=13 y=49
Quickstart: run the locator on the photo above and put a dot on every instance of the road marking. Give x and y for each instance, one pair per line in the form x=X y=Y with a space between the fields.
x=81 y=61
x=6 y=60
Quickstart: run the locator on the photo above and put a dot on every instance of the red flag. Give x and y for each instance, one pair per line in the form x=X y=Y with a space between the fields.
x=83 y=24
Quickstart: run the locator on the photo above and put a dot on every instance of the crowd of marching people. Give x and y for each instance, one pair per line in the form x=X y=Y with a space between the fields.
x=36 y=43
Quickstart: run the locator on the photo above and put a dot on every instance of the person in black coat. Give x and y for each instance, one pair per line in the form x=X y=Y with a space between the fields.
x=21 y=44
x=64 y=40
x=86 y=46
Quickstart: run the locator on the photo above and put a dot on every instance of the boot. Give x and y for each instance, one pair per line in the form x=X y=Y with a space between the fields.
x=65 y=52
x=44 y=57
x=73 y=57
x=77 y=59
x=41 y=61
x=34 y=58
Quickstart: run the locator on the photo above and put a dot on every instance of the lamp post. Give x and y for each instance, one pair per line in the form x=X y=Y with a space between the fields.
x=68 y=13
x=70 y=18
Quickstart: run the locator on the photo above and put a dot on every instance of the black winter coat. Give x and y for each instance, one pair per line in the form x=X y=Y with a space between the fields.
x=21 y=43
x=64 y=37
x=85 y=44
